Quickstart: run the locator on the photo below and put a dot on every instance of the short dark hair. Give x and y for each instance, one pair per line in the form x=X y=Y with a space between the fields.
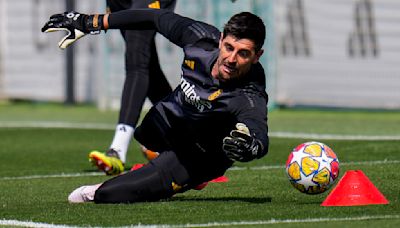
x=246 y=25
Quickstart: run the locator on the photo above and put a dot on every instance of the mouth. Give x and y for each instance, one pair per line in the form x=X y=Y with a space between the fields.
x=228 y=69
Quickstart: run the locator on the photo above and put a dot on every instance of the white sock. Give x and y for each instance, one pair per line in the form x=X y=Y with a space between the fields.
x=122 y=138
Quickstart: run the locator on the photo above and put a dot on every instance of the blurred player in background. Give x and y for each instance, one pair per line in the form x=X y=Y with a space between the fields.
x=144 y=78
x=216 y=116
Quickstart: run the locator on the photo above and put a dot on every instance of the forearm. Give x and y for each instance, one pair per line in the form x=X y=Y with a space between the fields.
x=137 y=19
x=174 y=27
x=170 y=25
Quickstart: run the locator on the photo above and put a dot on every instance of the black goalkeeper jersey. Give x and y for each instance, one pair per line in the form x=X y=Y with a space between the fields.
x=202 y=110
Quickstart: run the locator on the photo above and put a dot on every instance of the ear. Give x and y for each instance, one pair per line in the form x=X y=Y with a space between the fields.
x=258 y=55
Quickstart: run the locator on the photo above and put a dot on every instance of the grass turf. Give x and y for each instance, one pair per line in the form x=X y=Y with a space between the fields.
x=251 y=194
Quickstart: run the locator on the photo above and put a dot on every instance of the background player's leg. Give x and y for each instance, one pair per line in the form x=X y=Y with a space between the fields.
x=139 y=59
x=141 y=62
x=137 y=63
x=112 y=161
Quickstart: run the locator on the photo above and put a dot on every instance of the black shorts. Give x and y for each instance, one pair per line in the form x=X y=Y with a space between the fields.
x=118 y=5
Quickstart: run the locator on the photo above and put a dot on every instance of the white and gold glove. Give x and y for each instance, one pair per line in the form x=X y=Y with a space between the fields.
x=76 y=25
x=240 y=145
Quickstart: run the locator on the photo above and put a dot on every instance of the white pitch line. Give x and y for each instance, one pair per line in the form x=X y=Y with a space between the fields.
x=266 y=167
x=4 y=222
x=53 y=176
x=100 y=126
x=235 y=168
x=213 y=224
x=301 y=135
x=286 y=221
x=55 y=124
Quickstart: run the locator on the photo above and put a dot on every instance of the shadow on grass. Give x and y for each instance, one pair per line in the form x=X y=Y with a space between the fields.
x=255 y=200
x=91 y=170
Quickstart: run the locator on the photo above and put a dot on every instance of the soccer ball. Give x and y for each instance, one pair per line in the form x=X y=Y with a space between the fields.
x=312 y=167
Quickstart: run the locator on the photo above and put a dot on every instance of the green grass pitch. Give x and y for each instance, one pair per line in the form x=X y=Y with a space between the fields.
x=40 y=166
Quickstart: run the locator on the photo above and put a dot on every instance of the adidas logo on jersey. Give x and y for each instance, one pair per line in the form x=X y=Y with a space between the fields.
x=155 y=5
x=190 y=64
x=191 y=96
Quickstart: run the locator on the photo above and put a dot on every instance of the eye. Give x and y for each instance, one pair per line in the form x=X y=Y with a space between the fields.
x=244 y=54
x=228 y=47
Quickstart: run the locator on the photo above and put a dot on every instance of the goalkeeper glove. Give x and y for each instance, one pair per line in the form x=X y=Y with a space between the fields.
x=240 y=145
x=76 y=24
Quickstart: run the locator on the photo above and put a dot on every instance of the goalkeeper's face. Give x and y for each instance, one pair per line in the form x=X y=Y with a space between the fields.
x=235 y=58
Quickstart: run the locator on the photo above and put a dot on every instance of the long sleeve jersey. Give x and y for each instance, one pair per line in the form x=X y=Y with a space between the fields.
x=202 y=110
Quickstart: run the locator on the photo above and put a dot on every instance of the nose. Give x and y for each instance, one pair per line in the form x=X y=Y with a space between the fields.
x=232 y=57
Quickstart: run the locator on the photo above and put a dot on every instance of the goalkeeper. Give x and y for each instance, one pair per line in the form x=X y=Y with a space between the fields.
x=216 y=116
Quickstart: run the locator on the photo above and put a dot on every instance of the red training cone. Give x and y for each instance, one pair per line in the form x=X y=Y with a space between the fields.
x=137 y=166
x=220 y=179
x=353 y=189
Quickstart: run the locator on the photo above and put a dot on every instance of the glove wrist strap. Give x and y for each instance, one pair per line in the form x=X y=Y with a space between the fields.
x=94 y=23
x=257 y=148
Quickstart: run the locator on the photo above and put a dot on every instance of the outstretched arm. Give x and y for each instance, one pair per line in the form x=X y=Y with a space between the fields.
x=179 y=30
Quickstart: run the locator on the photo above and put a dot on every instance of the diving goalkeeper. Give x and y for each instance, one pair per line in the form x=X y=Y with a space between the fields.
x=216 y=116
